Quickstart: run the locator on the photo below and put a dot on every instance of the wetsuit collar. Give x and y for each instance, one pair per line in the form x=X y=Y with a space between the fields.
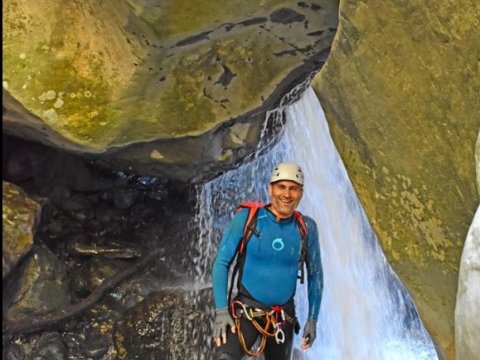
x=272 y=216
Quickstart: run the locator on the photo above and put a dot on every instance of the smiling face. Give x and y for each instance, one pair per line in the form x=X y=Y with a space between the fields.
x=284 y=196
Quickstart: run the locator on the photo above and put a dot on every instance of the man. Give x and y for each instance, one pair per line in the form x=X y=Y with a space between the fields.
x=263 y=307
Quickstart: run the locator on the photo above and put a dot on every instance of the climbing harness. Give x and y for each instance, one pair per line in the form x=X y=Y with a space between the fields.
x=274 y=318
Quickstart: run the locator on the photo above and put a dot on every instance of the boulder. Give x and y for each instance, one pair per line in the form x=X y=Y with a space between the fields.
x=467 y=310
x=162 y=89
x=400 y=92
x=42 y=286
x=20 y=215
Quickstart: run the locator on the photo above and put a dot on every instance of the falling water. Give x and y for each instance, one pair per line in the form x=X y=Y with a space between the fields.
x=366 y=313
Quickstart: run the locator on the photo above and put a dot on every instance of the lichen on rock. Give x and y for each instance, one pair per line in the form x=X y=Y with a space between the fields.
x=400 y=91
x=107 y=78
x=19 y=219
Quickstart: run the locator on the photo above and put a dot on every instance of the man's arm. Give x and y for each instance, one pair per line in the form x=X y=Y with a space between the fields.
x=224 y=257
x=225 y=254
x=315 y=284
x=314 y=271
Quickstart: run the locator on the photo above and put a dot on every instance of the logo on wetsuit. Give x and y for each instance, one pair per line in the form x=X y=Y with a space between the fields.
x=278 y=244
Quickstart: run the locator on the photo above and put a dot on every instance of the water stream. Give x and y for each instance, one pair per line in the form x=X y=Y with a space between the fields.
x=366 y=313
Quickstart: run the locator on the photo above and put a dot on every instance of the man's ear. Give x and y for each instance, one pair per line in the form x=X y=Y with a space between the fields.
x=270 y=189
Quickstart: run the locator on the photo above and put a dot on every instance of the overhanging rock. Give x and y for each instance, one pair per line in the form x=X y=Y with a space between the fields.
x=157 y=90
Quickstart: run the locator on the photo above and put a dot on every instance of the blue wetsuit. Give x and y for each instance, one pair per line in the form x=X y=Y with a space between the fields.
x=271 y=264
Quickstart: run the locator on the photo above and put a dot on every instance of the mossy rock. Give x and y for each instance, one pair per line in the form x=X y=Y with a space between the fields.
x=19 y=219
x=41 y=287
x=167 y=89
x=400 y=92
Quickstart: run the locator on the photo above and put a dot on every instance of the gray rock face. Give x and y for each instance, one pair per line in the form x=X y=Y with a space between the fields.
x=467 y=311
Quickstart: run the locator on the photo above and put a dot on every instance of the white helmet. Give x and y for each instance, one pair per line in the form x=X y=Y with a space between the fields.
x=287 y=171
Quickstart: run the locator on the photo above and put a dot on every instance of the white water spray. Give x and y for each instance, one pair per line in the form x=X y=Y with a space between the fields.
x=366 y=312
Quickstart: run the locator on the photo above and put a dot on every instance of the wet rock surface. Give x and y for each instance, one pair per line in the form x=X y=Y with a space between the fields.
x=20 y=215
x=167 y=325
x=86 y=235
x=39 y=286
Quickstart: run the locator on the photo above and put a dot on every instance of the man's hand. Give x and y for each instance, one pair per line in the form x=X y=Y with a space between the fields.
x=309 y=334
x=222 y=321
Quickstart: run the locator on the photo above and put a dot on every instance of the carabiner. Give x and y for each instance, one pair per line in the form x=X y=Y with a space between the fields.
x=243 y=310
x=279 y=335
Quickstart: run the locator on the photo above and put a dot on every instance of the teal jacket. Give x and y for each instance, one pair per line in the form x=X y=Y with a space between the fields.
x=271 y=264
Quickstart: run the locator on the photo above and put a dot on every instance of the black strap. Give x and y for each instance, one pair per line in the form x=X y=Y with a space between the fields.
x=245 y=297
x=241 y=256
x=303 y=258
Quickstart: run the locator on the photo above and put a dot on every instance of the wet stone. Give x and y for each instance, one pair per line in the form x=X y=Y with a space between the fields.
x=79 y=280
x=78 y=208
x=41 y=285
x=95 y=227
x=59 y=195
x=98 y=269
x=19 y=219
x=49 y=346
x=55 y=228
x=97 y=345
x=74 y=341
x=22 y=165
x=124 y=198
x=159 y=195
x=14 y=352
x=166 y=323
x=140 y=211
x=108 y=214
x=152 y=233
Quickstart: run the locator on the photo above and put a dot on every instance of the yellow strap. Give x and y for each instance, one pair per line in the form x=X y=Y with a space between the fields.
x=264 y=332
x=261 y=347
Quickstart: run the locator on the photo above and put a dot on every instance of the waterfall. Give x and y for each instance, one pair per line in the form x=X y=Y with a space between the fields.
x=366 y=313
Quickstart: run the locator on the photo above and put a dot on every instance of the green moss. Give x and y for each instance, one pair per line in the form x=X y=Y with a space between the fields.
x=78 y=110
x=18 y=218
x=402 y=97
x=192 y=100
x=188 y=16
x=164 y=90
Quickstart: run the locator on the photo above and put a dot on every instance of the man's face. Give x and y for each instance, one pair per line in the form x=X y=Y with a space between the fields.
x=285 y=196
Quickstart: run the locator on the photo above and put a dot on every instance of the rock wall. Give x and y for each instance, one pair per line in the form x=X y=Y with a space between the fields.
x=400 y=91
x=95 y=224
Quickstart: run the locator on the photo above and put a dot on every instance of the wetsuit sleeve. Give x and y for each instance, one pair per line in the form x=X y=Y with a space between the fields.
x=225 y=255
x=314 y=271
